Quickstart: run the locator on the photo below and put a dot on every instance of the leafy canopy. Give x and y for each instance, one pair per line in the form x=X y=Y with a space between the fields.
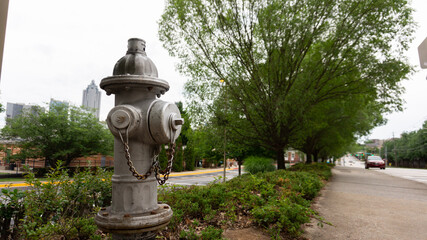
x=281 y=58
x=63 y=133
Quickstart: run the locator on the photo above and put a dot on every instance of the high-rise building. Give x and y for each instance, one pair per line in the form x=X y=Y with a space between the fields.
x=92 y=98
x=15 y=109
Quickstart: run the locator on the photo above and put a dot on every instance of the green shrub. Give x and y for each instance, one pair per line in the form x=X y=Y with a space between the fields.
x=255 y=165
x=279 y=201
x=282 y=215
x=189 y=235
x=11 y=210
x=211 y=233
x=63 y=208
x=196 y=201
x=323 y=170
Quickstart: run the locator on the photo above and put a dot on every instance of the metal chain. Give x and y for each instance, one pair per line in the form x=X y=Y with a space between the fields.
x=168 y=169
x=129 y=161
x=155 y=166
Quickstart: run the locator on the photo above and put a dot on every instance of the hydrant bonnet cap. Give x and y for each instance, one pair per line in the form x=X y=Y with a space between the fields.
x=135 y=62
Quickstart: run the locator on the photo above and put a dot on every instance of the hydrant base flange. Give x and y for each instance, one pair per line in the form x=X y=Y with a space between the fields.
x=134 y=223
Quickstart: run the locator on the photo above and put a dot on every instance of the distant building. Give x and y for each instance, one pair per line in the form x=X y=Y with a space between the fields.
x=54 y=103
x=293 y=156
x=92 y=98
x=15 y=109
x=374 y=143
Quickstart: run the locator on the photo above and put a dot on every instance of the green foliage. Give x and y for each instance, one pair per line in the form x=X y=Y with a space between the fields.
x=278 y=200
x=189 y=235
x=331 y=128
x=320 y=169
x=255 y=165
x=63 y=133
x=189 y=158
x=211 y=233
x=59 y=208
x=287 y=65
x=11 y=211
x=178 y=158
x=163 y=158
x=207 y=144
x=278 y=215
x=408 y=150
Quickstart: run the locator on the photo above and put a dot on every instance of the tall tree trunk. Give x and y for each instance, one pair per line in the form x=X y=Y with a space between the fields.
x=280 y=158
x=315 y=156
x=309 y=158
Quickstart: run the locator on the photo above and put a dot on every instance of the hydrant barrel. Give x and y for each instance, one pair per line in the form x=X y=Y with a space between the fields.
x=140 y=123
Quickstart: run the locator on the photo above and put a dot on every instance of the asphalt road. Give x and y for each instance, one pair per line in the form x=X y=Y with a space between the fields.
x=370 y=204
x=418 y=175
x=201 y=178
x=198 y=177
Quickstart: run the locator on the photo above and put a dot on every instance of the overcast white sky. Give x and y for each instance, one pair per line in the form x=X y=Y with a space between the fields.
x=53 y=49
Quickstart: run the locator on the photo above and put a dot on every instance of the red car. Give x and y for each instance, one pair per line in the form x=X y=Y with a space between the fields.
x=374 y=161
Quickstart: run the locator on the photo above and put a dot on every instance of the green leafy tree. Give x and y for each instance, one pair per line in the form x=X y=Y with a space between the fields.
x=281 y=58
x=410 y=150
x=333 y=126
x=207 y=143
x=63 y=133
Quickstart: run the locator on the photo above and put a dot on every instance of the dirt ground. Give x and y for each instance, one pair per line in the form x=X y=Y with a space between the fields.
x=246 y=234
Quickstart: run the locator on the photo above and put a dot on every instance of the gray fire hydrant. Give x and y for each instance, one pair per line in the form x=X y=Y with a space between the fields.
x=140 y=123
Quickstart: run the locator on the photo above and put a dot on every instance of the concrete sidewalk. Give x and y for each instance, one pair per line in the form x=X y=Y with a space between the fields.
x=367 y=204
x=9 y=171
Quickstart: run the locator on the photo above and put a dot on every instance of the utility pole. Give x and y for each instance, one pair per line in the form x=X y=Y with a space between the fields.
x=225 y=129
x=385 y=154
x=394 y=151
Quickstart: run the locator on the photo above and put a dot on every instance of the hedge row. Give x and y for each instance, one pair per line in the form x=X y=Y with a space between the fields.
x=277 y=201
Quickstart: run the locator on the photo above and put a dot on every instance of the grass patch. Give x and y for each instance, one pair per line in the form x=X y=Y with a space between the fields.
x=12 y=179
x=277 y=201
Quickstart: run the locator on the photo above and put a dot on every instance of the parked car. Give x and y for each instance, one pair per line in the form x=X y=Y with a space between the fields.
x=374 y=161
